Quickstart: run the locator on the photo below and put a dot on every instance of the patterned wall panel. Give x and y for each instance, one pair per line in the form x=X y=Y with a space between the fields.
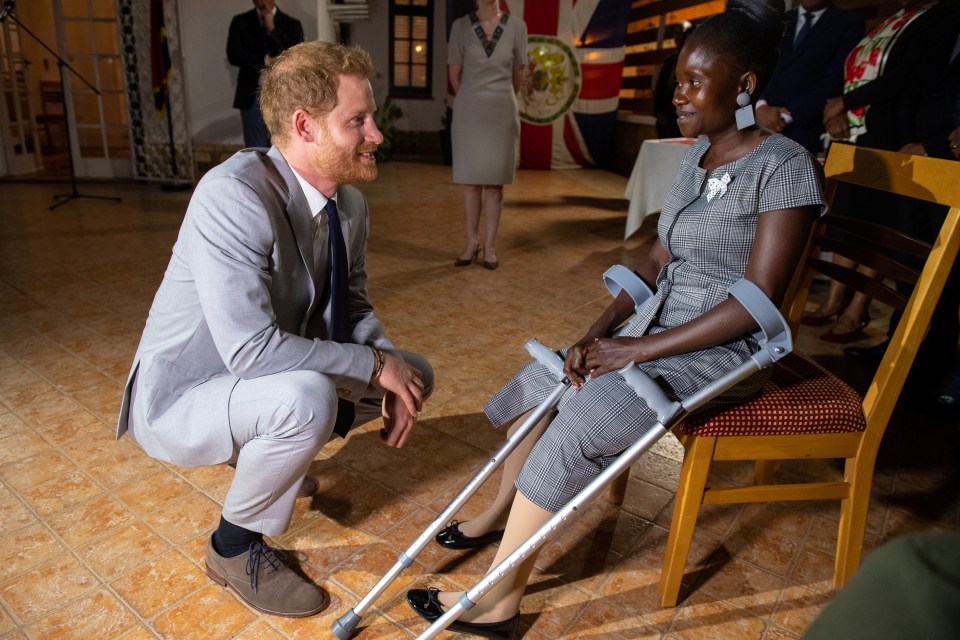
x=151 y=130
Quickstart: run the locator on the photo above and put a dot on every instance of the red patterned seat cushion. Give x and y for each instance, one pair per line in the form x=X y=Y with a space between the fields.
x=801 y=397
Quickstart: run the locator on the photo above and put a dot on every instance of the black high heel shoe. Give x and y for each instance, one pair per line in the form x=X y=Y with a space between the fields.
x=463 y=262
x=450 y=537
x=426 y=605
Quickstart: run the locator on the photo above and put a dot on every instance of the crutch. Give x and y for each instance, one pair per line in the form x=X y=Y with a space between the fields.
x=616 y=278
x=775 y=342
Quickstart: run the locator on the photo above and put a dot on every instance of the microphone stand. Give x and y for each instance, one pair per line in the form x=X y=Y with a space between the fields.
x=7 y=12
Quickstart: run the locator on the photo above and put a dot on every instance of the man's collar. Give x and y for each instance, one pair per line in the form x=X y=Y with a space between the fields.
x=815 y=15
x=315 y=200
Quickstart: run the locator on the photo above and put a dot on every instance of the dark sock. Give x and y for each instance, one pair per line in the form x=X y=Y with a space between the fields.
x=229 y=540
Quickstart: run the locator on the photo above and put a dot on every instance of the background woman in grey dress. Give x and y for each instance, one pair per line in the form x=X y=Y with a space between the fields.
x=742 y=206
x=486 y=58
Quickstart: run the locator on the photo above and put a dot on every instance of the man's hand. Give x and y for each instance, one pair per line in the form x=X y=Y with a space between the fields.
x=913 y=148
x=838 y=128
x=769 y=117
x=403 y=401
x=266 y=18
x=954 y=140
x=397 y=421
x=833 y=109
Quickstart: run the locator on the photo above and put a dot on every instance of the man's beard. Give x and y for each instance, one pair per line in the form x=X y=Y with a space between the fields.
x=341 y=165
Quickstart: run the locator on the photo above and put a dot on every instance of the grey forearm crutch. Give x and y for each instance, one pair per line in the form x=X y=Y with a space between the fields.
x=775 y=342
x=616 y=278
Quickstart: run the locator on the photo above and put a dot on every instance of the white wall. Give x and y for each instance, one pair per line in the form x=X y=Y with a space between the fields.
x=373 y=35
x=210 y=80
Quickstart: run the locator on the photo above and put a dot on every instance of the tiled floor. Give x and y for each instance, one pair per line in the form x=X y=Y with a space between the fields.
x=100 y=541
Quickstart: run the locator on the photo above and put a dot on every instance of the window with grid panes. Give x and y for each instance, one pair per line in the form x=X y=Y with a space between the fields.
x=411 y=52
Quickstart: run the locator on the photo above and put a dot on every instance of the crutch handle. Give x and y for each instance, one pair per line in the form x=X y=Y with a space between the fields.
x=547 y=357
x=774 y=334
x=618 y=278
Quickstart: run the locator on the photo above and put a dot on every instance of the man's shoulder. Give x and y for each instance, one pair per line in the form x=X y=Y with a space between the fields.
x=249 y=161
x=286 y=17
x=843 y=16
x=248 y=168
x=246 y=16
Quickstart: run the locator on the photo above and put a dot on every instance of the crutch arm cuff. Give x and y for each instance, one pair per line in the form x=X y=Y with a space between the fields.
x=619 y=278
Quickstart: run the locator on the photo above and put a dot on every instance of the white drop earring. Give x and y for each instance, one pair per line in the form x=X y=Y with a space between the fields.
x=745 y=116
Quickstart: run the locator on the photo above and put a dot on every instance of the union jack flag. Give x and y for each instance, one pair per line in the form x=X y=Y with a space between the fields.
x=568 y=106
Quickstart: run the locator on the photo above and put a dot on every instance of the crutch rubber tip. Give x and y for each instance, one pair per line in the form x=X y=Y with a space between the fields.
x=345 y=624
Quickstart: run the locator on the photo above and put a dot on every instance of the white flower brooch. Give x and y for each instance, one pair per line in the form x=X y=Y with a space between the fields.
x=717 y=187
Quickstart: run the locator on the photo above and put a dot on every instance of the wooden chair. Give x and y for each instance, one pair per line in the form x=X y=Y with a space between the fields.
x=805 y=412
x=52 y=113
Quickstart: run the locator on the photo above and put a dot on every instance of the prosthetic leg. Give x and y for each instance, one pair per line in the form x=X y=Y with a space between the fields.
x=775 y=342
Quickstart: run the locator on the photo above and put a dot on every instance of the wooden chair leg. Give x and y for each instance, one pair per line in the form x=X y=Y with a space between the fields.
x=853 y=520
x=618 y=488
x=693 y=480
x=764 y=473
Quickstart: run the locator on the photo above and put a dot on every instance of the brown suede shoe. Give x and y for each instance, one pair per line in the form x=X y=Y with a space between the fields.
x=261 y=579
x=307 y=488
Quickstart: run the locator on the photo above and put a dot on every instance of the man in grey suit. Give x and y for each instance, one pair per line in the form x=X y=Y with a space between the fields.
x=240 y=360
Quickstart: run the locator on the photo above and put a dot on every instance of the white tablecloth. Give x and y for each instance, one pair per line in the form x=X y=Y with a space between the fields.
x=653 y=173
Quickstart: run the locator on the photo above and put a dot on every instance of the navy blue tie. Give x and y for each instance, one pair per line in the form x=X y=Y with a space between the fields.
x=804 y=29
x=340 y=330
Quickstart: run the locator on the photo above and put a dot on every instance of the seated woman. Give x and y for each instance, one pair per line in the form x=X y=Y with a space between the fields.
x=742 y=206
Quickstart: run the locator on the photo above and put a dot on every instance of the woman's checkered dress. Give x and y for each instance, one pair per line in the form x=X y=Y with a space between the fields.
x=709 y=243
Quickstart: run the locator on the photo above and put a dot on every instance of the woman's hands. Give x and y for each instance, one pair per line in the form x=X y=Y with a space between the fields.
x=575 y=365
x=595 y=356
x=611 y=354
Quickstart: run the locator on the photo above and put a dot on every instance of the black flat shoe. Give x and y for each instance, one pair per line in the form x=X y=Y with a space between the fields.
x=869 y=355
x=426 y=605
x=452 y=538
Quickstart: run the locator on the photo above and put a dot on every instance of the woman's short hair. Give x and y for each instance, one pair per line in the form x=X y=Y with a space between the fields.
x=749 y=31
x=307 y=76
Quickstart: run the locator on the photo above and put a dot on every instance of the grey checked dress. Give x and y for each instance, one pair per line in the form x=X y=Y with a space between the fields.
x=709 y=244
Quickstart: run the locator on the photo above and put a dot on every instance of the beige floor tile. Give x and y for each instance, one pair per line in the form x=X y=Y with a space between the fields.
x=122 y=550
x=185 y=519
x=160 y=583
x=259 y=631
x=708 y=618
x=153 y=492
x=26 y=548
x=7 y=623
x=90 y=520
x=98 y=615
x=223 y=615
x=14 y=514
x=45 y=588
x=61 y=493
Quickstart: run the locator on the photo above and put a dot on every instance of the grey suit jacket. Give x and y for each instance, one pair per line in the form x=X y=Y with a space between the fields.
x=239 y=300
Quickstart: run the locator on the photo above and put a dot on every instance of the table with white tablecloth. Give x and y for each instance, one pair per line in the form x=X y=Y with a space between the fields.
x=653 y=173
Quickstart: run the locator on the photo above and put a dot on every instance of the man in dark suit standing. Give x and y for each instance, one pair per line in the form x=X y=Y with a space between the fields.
x=816 y=41
x=256 y=37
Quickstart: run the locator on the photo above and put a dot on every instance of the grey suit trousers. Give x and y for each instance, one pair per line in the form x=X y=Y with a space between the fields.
x=278 y=424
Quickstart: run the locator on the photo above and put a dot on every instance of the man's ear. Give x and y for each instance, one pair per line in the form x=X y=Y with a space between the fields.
x=303 y=126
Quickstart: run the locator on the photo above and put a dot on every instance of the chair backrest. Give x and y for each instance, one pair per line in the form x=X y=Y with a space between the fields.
x=51 y=98
x=894 y=254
